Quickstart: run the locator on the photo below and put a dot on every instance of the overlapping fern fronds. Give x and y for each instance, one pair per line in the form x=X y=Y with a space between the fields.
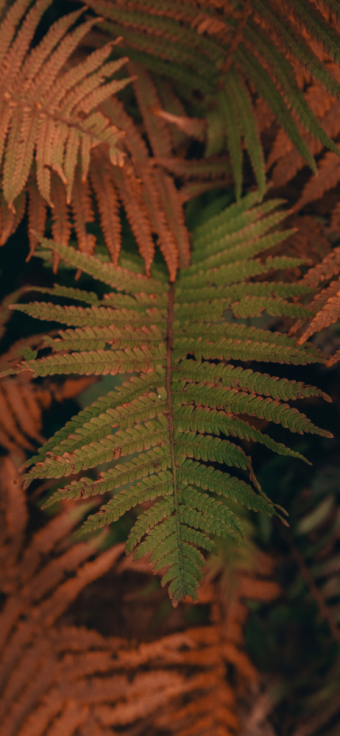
x=62 y=131
x=203 y=48
x=171 y=420
x=62 y=126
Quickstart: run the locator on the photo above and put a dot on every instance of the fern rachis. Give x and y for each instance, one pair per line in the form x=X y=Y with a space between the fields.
x=185 y=406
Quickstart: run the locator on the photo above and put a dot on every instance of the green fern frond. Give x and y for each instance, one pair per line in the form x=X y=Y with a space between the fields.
x=319 y=29
x=268 y=91
x=233 y=133
x=282 y=71
x=188 y=409
x=298 y=49
x=245 y=122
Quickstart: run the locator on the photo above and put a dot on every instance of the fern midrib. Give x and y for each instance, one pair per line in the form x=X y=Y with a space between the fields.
x=169 y=343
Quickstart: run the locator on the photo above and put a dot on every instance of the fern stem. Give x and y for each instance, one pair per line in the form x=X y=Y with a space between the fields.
x=169 y=341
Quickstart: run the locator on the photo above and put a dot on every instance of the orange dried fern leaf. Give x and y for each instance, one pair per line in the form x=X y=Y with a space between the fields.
x=36 y=215
x=160 y=140
x=327 y=177
x=22 y=402
x=328 y=314
x=333 y=359
x=130 y=192
x=107 y=202
x=82 y=214
x=329 y=267
x=9 y=218
x=31 y=116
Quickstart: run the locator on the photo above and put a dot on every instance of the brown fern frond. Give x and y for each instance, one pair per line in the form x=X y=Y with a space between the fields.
x=82 y=214
x=61 y=224
x=333 y=359
x=5 y=313
x=22 y=405
x=146 y=93
x=11 y=434
x=21 y=414
x=263 y=114
x=335 y=218
x=102 y=183
x=329 y=312
x=318 y=99
x=50 y=118
x=325 y=304
x=37 y=590
x=208 y=168
x=289 y=162
x=37 y=211
x=325 y=108
x=165 y=237
x=33 y=115
x=161 y=143
x=22 y=402
x=130 y=192
x=212 y=652
x=173 y=209
x=329 y=267
x=307 y=242
x=237 y=37
x=9 y=218
x=151 y=197
x=328 y=176
x=143 y=199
